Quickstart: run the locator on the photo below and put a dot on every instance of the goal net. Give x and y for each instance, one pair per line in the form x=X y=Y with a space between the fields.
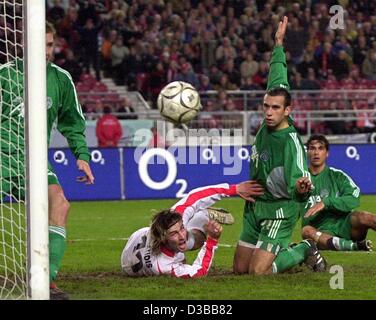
x=15 y=235
x=13 y=272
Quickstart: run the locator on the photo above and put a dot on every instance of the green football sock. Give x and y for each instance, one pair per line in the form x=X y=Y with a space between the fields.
x=340 y=244
x=290 y=257
x=57 y=248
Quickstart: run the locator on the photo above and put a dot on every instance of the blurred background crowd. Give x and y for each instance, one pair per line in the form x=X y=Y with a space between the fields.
x=215 y=45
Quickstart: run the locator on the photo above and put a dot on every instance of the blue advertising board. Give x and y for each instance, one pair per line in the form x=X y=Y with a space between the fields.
x=105 y=166
x=141 y=173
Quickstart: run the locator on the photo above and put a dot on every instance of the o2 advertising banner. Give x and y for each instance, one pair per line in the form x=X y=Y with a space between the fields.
x=105 y=165
x=173 y=172
x=155 y=173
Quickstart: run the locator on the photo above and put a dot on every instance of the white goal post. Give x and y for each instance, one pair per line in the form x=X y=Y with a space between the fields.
x=24 y=254
x=36 y=149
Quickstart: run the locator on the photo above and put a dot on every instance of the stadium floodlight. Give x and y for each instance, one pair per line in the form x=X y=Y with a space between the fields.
x=24 y=269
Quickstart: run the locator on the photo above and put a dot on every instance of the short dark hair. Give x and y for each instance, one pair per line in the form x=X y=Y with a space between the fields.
x=280 y=92
x=319 y=137
x=160 y=224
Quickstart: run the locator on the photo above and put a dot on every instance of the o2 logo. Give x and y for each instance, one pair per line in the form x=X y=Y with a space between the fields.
x=352 y=153
x=171 y=172
x=61 y=158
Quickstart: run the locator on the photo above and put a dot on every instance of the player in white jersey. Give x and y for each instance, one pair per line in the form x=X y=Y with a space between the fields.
x=159 y=249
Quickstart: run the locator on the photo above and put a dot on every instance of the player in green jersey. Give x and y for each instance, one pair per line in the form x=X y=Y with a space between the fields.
x=64 y=111
x=279 y=165
x=330 y=219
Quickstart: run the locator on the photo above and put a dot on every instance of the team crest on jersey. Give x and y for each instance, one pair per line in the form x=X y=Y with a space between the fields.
x=324 y=193
x=49 y=102
x=264 y=156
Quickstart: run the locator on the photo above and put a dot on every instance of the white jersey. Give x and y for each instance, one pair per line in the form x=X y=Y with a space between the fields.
x=137 y=259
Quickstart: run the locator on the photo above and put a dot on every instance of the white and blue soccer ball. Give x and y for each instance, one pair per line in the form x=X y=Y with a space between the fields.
x=179 y=102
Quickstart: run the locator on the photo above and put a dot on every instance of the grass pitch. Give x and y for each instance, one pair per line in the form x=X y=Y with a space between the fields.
x=97 y=233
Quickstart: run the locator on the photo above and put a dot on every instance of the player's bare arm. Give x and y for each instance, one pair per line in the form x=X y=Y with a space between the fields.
x=83 y=166
x=281 y=31
x=315 y=209
x=249 y=189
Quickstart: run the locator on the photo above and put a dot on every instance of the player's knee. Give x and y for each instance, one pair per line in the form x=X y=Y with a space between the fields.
x=239 y=267
x=308 y=232
x=259 y=270
x=361 y=217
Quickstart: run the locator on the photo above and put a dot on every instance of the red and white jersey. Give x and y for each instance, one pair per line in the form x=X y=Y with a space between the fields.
x=137 y=259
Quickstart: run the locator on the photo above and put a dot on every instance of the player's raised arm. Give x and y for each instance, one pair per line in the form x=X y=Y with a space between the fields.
x=281 y=31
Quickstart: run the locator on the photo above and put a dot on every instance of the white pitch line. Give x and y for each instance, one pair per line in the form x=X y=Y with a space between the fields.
x=125 y=239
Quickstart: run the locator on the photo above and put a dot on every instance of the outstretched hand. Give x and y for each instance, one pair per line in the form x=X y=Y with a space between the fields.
x=249 y=189
x=213 y=229
x=315 y=209
x=85 y=167
x=281 y=31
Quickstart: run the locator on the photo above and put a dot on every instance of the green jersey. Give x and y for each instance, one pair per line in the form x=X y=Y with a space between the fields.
x=278 y=160
x=337 y=191
x=63 y=109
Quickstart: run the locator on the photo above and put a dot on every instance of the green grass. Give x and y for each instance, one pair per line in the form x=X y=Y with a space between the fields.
x=97 y=232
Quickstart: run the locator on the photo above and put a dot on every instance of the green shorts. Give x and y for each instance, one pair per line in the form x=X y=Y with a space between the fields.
x=269 y=225
x=13 y=183
x=336 y=224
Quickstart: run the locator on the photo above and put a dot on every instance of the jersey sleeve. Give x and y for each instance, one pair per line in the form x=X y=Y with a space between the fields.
x=201 y=265
x=71 y=121
x=277 y=77
x=295 y=165
x=202 y=198
x=349 y=196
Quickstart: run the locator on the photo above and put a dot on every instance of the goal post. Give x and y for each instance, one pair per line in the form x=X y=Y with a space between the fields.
x=36 y=148
x=24 y=254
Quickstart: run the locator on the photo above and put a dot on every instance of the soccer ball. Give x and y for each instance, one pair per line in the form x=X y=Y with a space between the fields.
x=179 y=102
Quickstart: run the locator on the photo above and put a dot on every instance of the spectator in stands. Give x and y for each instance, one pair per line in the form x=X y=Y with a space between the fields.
x=307 y=63
x=334 y=126
x=56 y=13
x=248 y=85
x=108 y=129
x=341 y=65
x=225 y=84
x=225 y=51
x=71 y=65
x=187 y=74
x=249 y=67
x=360 y=50
x=232 y=73
x=119 y=54
x=106 y=50
x=89 y=41
x=157 y=80
x=369 y=65
x=205 y=84
x=296 y=40
x=221 y=100
x=325 y=57
x=215 y=75
x=128 y=112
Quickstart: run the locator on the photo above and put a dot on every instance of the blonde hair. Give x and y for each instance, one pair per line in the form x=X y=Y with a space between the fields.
x=50 y=28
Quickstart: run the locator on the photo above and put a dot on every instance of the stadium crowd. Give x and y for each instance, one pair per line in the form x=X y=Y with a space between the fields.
x=219 y=45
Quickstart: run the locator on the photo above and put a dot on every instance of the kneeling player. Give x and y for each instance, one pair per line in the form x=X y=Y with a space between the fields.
x=187 y=225
x=330 y=219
